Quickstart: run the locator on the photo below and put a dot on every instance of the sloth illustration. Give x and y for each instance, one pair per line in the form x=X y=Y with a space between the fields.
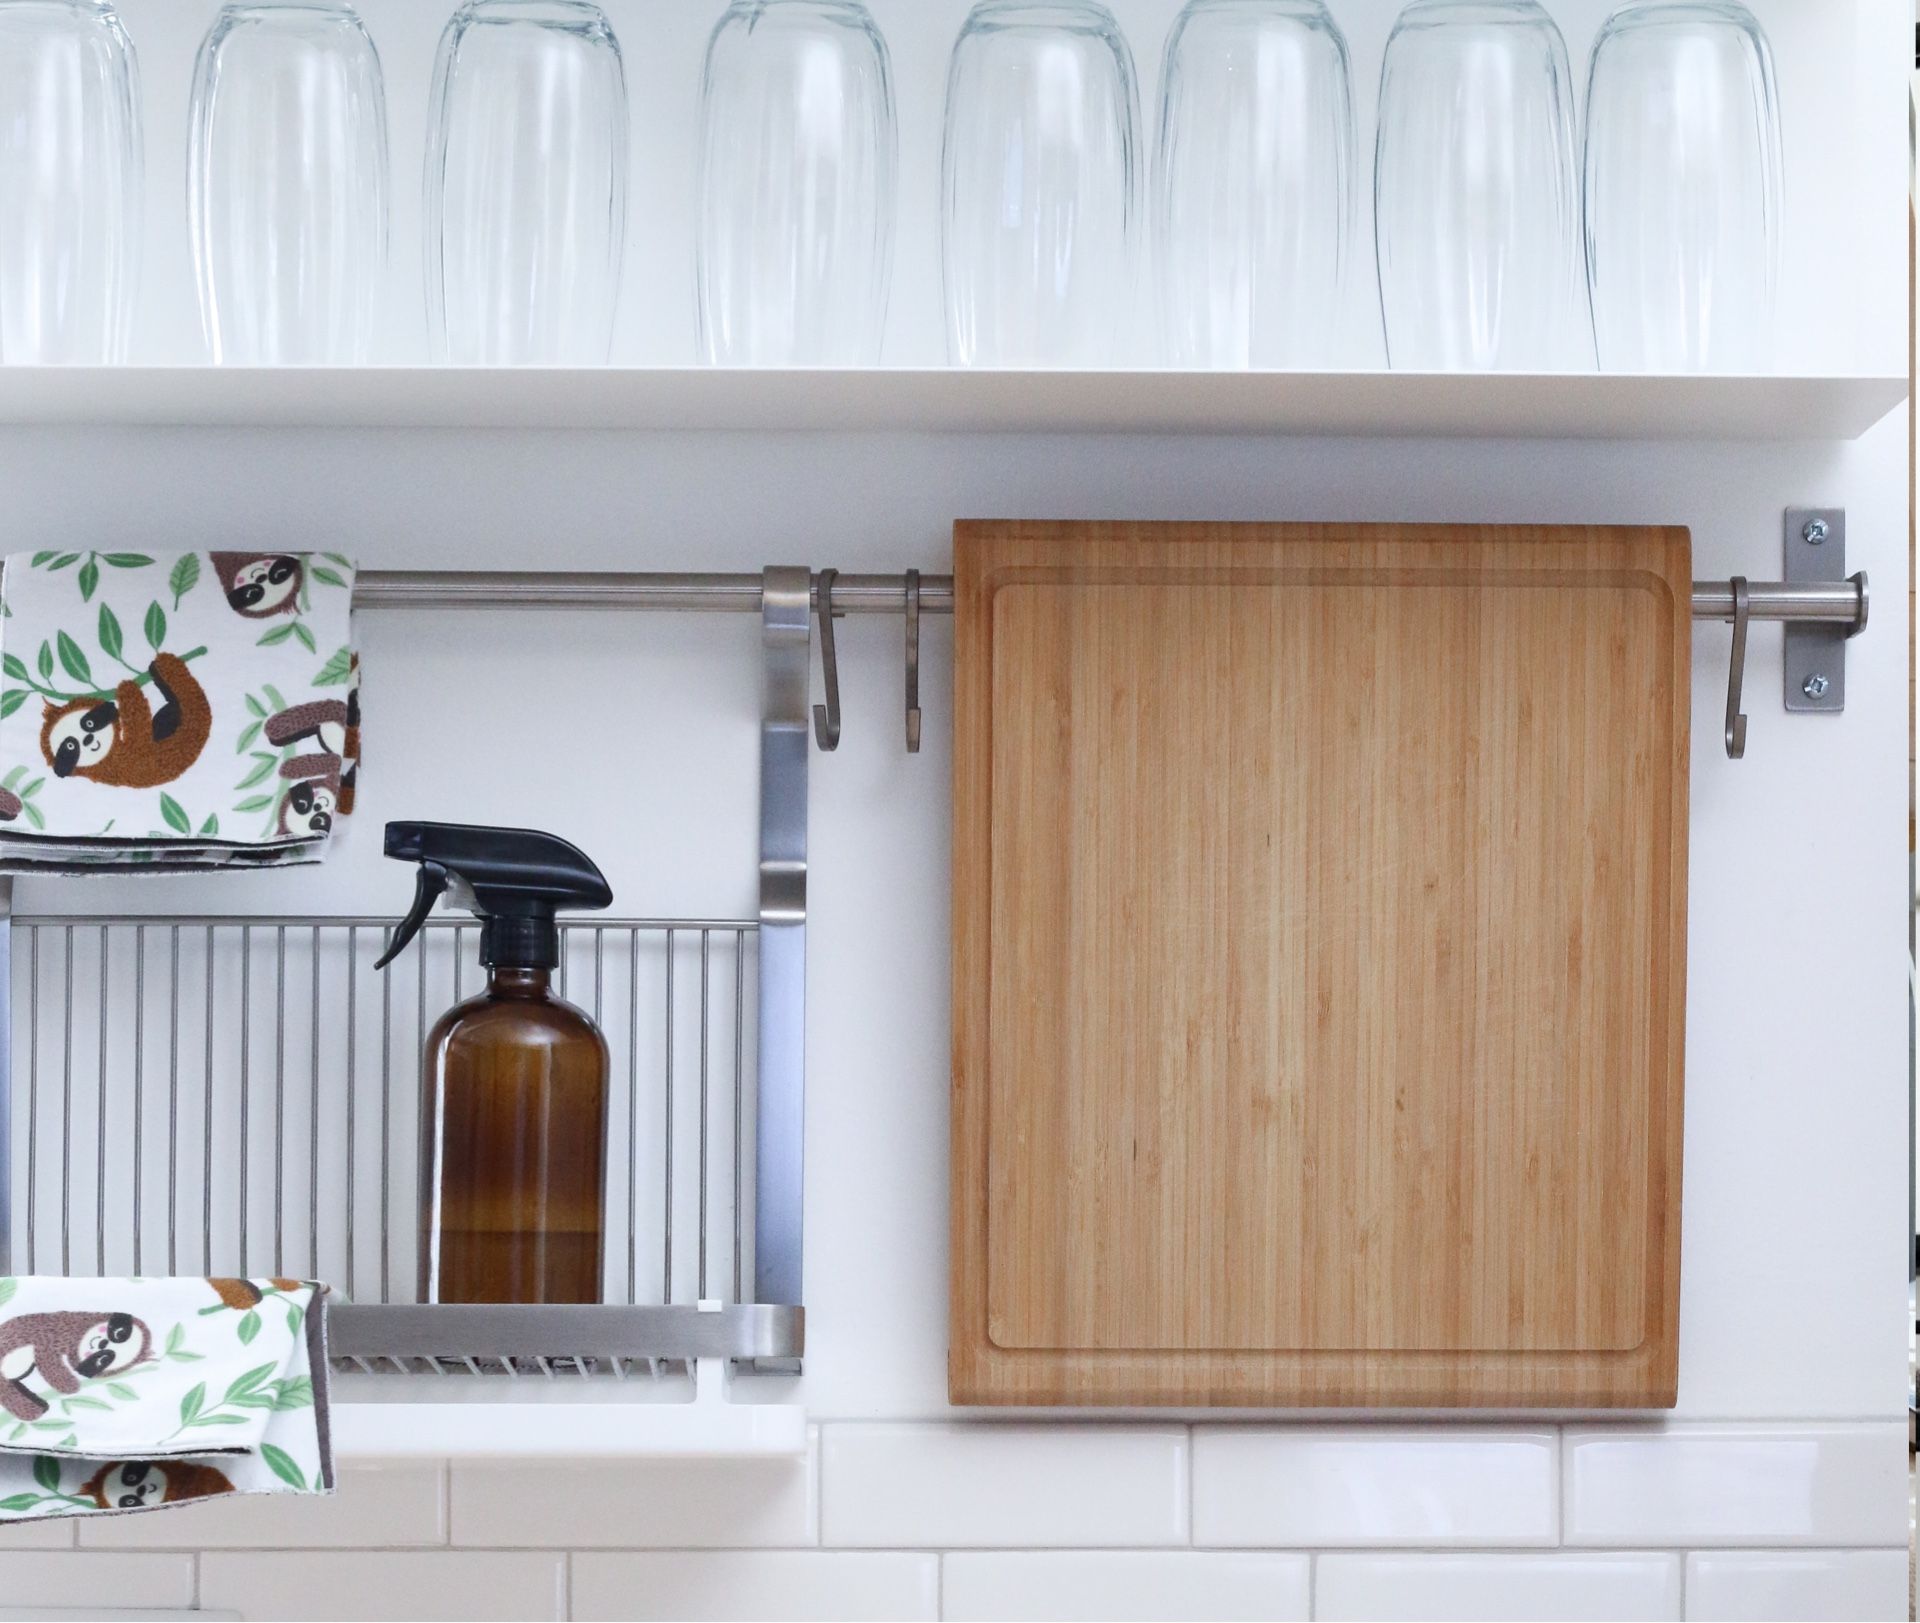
x=241 y=1294
x=322 y=780
x=139 y=1484
x=124 y=742
x=319 y=789
x=260 y=585
x=333 y=725
x=64 y=1349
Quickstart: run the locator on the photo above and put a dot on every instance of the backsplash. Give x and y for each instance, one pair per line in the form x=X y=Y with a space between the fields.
x=1063 y=1521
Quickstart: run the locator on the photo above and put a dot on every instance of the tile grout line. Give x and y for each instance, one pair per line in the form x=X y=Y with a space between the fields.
x=817 y=1469
x=1187 y=1475
x=1562 y=1458
x=1648 y=1547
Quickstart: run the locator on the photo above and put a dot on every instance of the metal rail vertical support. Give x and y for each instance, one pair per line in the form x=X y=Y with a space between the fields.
x=786 y=740
x=6 y=1074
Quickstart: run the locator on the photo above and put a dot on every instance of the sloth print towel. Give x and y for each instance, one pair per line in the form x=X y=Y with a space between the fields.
x=132 y=1394
x=170 y=711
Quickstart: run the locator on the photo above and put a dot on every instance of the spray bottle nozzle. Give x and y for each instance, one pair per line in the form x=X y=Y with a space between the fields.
x=514 y=879
x=432 y=885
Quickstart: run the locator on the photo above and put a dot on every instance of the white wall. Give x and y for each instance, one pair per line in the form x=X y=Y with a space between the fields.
x=635 y=736
x=1796 y=1053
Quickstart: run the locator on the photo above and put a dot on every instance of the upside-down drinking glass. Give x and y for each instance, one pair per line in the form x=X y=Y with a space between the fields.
x=1477 y=208
x=796 y=185
x=287 y=184
x=1253 y=194
x=70 y=171
x=1683 y=189
x=1040 y=187
x=526 y=185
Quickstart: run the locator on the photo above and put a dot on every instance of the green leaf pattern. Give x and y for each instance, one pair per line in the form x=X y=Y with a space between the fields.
x=89 y=658
x=185 y=576
x=260 y=1391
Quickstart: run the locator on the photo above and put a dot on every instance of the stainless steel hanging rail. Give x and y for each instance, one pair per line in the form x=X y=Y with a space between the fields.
x=1836 y=602
x=1822 y=602
x=696 y=593
x=1838 y=608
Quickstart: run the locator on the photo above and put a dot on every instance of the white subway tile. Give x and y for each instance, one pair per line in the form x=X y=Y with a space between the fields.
x=55 y=1533
x=999 y=1485
x=1496 y=1588
x=1797 y=1585
x=755 y=1584
x=355 y=1585
x=1015 y=1586
x=84 y=1581
x=639 y=1504
x=1737 y=1484
x=1329 y=1487
x=376 y=1506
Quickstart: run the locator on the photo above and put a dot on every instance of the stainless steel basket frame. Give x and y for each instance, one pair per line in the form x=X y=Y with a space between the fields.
x=761 y=1331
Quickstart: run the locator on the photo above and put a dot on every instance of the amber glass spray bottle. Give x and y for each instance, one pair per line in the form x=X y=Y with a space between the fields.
x=513 y=1139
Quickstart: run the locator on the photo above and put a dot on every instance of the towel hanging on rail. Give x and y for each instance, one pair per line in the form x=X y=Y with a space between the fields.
x=187 y=711
x=120 y=1395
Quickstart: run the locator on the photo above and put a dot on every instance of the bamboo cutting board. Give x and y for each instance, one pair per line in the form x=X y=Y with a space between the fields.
x=1319 y=964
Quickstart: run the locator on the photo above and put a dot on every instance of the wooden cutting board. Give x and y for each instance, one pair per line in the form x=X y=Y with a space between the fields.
x=1319 y=964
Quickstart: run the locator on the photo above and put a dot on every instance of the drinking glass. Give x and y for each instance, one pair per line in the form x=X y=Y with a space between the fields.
x=287 y=184
x=796 y=185
x=1040 y=187
x=1683 y=189
x=1477 y=210
x=526 y=185
x=70 y=172
x=1253 y=196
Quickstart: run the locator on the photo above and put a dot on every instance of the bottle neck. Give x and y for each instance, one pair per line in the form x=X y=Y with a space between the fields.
x=516 y=981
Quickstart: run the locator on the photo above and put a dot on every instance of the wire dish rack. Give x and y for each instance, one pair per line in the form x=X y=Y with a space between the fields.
x=241 y=1096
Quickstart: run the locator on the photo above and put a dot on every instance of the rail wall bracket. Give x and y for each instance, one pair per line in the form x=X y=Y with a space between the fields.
x=1815 y=666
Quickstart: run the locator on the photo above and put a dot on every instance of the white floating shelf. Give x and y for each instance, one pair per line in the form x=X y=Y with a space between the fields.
x=1503 y=406
x=491 y=1427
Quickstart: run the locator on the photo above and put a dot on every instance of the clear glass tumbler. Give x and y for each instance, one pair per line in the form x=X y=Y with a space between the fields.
x=526 y=185
x=70 y=182
x=1040 y=187
x=287 y=184
x=1476 y=202
x=797 y=164
x=1253 y=195
x=1683 y=189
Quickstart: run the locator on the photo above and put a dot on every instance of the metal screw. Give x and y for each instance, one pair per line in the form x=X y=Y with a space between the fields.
x=1816 y=532
x=1815 y=686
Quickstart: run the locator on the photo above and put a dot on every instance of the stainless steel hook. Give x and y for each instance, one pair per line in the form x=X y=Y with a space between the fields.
x=1736 y=669
x=913 y=662
x=826 y=717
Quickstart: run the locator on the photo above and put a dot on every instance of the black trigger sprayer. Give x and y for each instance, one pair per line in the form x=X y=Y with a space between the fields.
x=514 y=1084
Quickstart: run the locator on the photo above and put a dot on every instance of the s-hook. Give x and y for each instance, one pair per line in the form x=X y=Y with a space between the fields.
x=826 y=717
x=913 y=661
x=1736 y=669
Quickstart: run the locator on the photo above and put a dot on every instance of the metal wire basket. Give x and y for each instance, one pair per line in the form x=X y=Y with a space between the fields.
x=240 y=1096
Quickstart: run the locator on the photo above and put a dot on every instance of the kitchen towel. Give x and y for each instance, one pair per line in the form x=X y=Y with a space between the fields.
x=131 y=1394
x=175 y=711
